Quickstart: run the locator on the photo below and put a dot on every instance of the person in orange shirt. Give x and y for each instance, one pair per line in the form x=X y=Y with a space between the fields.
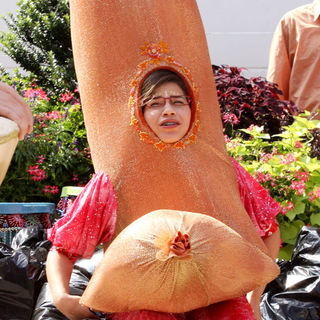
x=294 y=61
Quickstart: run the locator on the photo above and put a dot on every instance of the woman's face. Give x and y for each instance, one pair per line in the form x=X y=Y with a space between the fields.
x=168 y=112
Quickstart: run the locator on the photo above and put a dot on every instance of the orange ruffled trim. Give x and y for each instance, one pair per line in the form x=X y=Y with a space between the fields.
x=156 y=54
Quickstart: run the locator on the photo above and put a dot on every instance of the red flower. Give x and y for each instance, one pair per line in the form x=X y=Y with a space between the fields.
x=36 y=93
x=54 y=189
x=66 y=97
x=46 y=189
x=41 y=158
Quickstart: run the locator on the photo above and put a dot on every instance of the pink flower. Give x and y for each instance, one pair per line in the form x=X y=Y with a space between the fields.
x=33 y=169
x=230 y=117
x=46 y=189
x=251 y=127
x=314 y=194
x=290 y=205
x=233 y=144
x=286 y=208
x=54 y=115
x=226 y=139
x=51 y=189
x=66 y=96
x=36 y=173
x=265 y=157
x=36 y=93
x=263 y=177
x=76 y=89
x=302 y=175
x=298 y=144
x=54 y=189
x=41 y=158
x=75 y=178
x=289 y=158
x=299 y=186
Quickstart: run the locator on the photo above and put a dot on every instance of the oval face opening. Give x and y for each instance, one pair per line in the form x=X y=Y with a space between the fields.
x=165 y=85
x=166 y=105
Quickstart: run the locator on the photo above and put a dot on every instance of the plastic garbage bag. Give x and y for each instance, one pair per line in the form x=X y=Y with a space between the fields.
x=295 y=293
x=81 y=274
x=21 y=272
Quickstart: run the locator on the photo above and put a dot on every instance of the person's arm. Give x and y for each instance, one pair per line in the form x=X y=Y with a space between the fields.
x=13 y=107
x=273 y=244
x=93 y=213
x=279 y=68
x=59 y=269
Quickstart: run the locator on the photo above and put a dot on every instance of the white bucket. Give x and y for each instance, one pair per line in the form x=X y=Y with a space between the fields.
x=8 y=141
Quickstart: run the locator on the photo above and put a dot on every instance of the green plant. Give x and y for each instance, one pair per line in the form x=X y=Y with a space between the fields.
x=286 y=168
x=54 y=155
x=250 y=101
x=39 y=41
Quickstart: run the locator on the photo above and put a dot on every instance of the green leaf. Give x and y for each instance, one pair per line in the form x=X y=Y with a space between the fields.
x=315 y=219
x=299 y=207
x=286 y=252
x=290 y=231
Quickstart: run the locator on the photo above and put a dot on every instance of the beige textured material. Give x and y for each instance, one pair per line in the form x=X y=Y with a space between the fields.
x=140 y=271
x=8 y=141
x=116 y=44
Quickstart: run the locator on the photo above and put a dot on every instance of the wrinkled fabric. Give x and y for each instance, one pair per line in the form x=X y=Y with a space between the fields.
x=91 y=220
x=260 y=206
x=176 y=261
x=234 y=309
x=294 y=60
x=92 y=217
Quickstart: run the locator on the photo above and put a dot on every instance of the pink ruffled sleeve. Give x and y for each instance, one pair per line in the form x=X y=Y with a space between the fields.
x=260 y=206
x=90 y=220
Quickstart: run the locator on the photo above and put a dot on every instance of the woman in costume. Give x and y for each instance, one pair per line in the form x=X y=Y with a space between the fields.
x=148 y=167
x=166 y=108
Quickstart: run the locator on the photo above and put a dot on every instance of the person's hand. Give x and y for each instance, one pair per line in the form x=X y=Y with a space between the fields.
x=69 y=305
x=13 y=107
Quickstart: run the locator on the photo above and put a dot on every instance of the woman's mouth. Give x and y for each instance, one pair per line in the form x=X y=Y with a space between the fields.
x=169 y=123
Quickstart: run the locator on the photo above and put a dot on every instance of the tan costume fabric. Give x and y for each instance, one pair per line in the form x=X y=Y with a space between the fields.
x=148 y=266
x=116 y=44
x=294 y=61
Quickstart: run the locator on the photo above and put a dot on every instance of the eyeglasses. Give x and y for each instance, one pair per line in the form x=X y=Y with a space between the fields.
x=159 y=102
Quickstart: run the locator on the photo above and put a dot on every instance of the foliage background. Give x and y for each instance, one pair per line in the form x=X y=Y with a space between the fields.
x=39 y=41
x=55 y=154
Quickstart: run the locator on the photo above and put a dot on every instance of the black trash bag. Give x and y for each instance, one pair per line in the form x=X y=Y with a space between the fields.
x=295 y=293
x=81 y=274
x=21 y=272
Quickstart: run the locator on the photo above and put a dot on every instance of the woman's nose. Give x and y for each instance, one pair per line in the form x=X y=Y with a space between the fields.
x=168 y=109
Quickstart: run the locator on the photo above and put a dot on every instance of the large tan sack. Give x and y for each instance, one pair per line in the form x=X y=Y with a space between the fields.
x=174 y=261
x=8 y=141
